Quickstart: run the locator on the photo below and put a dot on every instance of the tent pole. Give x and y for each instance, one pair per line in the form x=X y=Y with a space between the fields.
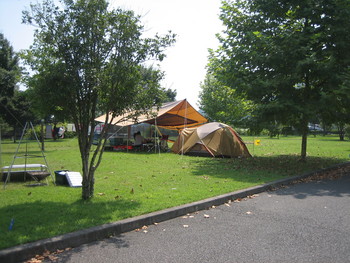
x=182 y=143
x=128 y=138
x=253 y=145
x=185 y=120
x=185 y=125
x=0 y=147
x=156 y=137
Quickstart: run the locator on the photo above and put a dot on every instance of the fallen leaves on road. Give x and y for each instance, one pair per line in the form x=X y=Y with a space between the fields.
x=331 y=175
x=144 y=229
x=52 y=256
x=188 y=216
x=34 y=260
x=327 y=174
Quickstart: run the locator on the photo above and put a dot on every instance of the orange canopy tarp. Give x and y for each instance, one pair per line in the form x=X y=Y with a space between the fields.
x=172 y=115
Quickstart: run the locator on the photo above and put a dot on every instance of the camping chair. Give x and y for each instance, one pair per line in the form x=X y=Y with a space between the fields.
x=138 y=143
x=164 y=143
x=137 y=147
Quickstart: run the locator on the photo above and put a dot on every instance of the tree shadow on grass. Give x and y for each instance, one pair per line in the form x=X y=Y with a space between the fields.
x=264 y=169
x=261 y=169
x=42 y=219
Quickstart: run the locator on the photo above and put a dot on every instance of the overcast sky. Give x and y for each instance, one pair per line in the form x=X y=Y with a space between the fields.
x=194 y=21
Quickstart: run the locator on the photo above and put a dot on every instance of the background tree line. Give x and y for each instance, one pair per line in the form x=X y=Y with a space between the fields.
x=288 y=60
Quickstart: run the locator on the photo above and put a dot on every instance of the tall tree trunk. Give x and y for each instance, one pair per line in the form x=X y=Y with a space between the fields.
x=305 y=115
x=88 y=185
x=88 y=164
x=341 y=131
x=303 y=146
x=305 y=131
x=14 y=133
x=88 y=179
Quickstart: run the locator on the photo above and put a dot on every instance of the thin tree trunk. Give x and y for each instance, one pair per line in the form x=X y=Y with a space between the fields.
x=88 y=180
x=341 y=131
x=89 y=167
x=88 y=186
x=304 y=133
x=14 y=133
x=304 y=116
x=303 y=146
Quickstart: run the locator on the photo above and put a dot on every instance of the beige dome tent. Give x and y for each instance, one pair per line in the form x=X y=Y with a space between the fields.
x=211 y=139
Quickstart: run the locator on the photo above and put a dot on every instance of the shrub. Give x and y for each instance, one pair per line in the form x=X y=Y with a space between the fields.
x=30 y=133
x=70 y=134
x=347 y=131
x=241 y=131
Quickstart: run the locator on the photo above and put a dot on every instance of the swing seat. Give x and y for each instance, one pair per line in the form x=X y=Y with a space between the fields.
x=20 y=169
x=23 y=171
x=38 y=176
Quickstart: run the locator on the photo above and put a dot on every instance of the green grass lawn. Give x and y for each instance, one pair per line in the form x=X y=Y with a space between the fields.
x=130 y=184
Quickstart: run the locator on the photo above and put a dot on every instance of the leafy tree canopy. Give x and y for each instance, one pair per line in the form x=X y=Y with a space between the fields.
x=222 y=103
x=336 y=106
x=14 y=106
x=170 y=95
x=9 y=69
x=91 y=59
x=284 y=54
x=16 y=110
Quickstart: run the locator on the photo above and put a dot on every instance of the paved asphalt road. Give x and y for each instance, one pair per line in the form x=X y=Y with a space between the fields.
x=308 y=222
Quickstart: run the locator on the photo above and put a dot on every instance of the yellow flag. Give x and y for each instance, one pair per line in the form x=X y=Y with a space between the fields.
x=257 y=142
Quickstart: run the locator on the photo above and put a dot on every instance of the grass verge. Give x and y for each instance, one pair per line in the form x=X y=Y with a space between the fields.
x=130 y=184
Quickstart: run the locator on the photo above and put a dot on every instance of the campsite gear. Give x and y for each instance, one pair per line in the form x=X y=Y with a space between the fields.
x=66 y=177
x=22 y=172
x=11 y=224
x=172 y=115
x=60 y=177
x=164 y=142
x=212 y=139
x=35 y=171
